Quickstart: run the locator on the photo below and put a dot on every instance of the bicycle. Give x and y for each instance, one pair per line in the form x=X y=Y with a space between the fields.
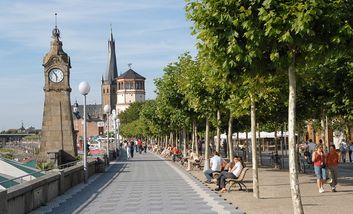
x=276 y=161
x=303 y=163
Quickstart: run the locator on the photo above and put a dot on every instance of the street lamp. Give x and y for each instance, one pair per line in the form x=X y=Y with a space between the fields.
x=114 y=116
x=118 y=134
x=84 y=89
x=107 y=111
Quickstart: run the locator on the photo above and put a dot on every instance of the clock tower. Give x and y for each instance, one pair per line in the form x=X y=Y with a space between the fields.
x=58 y=138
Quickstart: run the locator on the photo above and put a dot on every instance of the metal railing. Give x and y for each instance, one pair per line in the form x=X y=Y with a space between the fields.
x=66 y=165
x=20 y=180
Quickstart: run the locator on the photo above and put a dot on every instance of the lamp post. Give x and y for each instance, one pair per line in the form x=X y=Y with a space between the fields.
x=76 y=112
x=114 y=116
x=118 y=134
x=107 y=111
x=84 y=89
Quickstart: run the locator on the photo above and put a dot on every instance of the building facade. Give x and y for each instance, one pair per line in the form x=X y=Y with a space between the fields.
x=131 y=88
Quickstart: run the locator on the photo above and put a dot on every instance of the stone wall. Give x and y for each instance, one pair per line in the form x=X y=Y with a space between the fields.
x=30 y=195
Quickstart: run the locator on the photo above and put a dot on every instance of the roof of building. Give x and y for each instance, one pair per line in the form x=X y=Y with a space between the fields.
x=12 y=169
x=94 y=112
x=131 y=74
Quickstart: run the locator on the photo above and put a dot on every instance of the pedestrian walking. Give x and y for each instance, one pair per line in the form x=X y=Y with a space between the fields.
x=311 y=148
x=343 y=149
x=319 y=160
x=145 y=146
x=350 y=151
x=132 y=149
x=225 y=148
x=332 y=165
x=128 y=150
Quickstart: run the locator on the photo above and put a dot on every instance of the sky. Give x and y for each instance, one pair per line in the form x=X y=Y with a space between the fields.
x=150 y=34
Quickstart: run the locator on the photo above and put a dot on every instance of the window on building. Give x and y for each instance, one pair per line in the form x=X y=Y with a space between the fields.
x=139 y=85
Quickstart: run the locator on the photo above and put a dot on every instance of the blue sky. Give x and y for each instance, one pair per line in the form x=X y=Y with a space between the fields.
x=148 y=33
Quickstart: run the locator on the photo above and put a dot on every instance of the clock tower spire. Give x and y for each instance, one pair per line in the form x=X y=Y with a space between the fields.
x=57 y=125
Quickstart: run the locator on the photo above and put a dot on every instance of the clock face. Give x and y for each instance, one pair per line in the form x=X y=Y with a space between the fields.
x=56 y=75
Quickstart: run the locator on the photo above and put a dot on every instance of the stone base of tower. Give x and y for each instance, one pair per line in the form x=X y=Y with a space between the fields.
x=58 y=157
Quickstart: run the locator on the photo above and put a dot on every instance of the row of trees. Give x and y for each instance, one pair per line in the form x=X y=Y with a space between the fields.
x=263 y=59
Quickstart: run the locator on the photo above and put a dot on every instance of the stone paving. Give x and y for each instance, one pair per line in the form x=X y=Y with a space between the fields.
x=143 y=184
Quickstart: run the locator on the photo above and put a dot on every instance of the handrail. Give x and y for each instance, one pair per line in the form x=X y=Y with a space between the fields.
x=23 y=176
x=66 y=165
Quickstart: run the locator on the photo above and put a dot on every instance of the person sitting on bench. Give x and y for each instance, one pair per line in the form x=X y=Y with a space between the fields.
x=216 y=165
x=193 y=158
x=233 y=173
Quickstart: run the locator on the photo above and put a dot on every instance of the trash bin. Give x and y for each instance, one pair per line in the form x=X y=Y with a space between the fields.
x=99 y=165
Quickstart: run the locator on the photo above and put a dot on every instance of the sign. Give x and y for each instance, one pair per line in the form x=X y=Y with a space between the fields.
x=100 y=124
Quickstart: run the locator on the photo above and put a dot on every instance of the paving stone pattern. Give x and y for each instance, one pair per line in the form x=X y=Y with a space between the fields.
x=143 y=184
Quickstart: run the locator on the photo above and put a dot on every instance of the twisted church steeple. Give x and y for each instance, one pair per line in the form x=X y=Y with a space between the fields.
x=112 y=71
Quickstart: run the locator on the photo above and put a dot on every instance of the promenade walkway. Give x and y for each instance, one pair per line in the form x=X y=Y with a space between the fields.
x=143 y=184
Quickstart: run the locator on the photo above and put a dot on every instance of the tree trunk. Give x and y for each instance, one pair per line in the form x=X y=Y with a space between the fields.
x=322 y=133
x=207 y=165
x=247 y=145
x=218 y=142
x=326 y=132
x=259 y=145
x=230 y=141
x=193 y=136
x=293 y=171
x=184 y=141
x=196 y=139
x=255 y=174
x=276 y=142
x=166 y=141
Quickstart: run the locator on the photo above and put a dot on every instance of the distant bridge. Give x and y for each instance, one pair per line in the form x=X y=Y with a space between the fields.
x=12 y=137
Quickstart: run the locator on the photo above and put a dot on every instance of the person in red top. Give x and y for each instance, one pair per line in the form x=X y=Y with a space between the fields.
x=332 y=164
x=319 y=160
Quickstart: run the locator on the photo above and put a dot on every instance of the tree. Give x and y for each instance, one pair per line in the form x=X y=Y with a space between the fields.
x=302 y=32
x=230 y=37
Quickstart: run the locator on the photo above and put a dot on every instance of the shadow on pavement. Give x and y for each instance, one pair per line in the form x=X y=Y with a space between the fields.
x=92 y=190
x=146 y=160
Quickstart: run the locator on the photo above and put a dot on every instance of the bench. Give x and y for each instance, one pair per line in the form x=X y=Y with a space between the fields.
x=216 y=175
x=198 y=163
x=234 y=181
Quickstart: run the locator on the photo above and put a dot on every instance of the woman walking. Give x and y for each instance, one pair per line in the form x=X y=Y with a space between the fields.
x=319 y=160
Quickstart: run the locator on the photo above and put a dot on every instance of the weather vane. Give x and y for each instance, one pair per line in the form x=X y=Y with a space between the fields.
x=129 y=65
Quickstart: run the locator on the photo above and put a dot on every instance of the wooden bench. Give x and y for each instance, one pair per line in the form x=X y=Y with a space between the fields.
x=216 y=175
x=198 y=163
x=233 y=182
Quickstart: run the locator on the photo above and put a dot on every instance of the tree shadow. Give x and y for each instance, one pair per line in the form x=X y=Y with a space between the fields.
x=94 y=188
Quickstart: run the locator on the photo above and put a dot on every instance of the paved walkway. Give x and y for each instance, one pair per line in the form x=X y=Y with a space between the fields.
x=144 y=184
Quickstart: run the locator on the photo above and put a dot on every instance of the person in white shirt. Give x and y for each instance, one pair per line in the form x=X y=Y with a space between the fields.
x=216 y=166
x=233 y=173
x=311 y=147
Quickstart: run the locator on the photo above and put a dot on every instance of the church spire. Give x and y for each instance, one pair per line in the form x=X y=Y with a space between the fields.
x=112 y=71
